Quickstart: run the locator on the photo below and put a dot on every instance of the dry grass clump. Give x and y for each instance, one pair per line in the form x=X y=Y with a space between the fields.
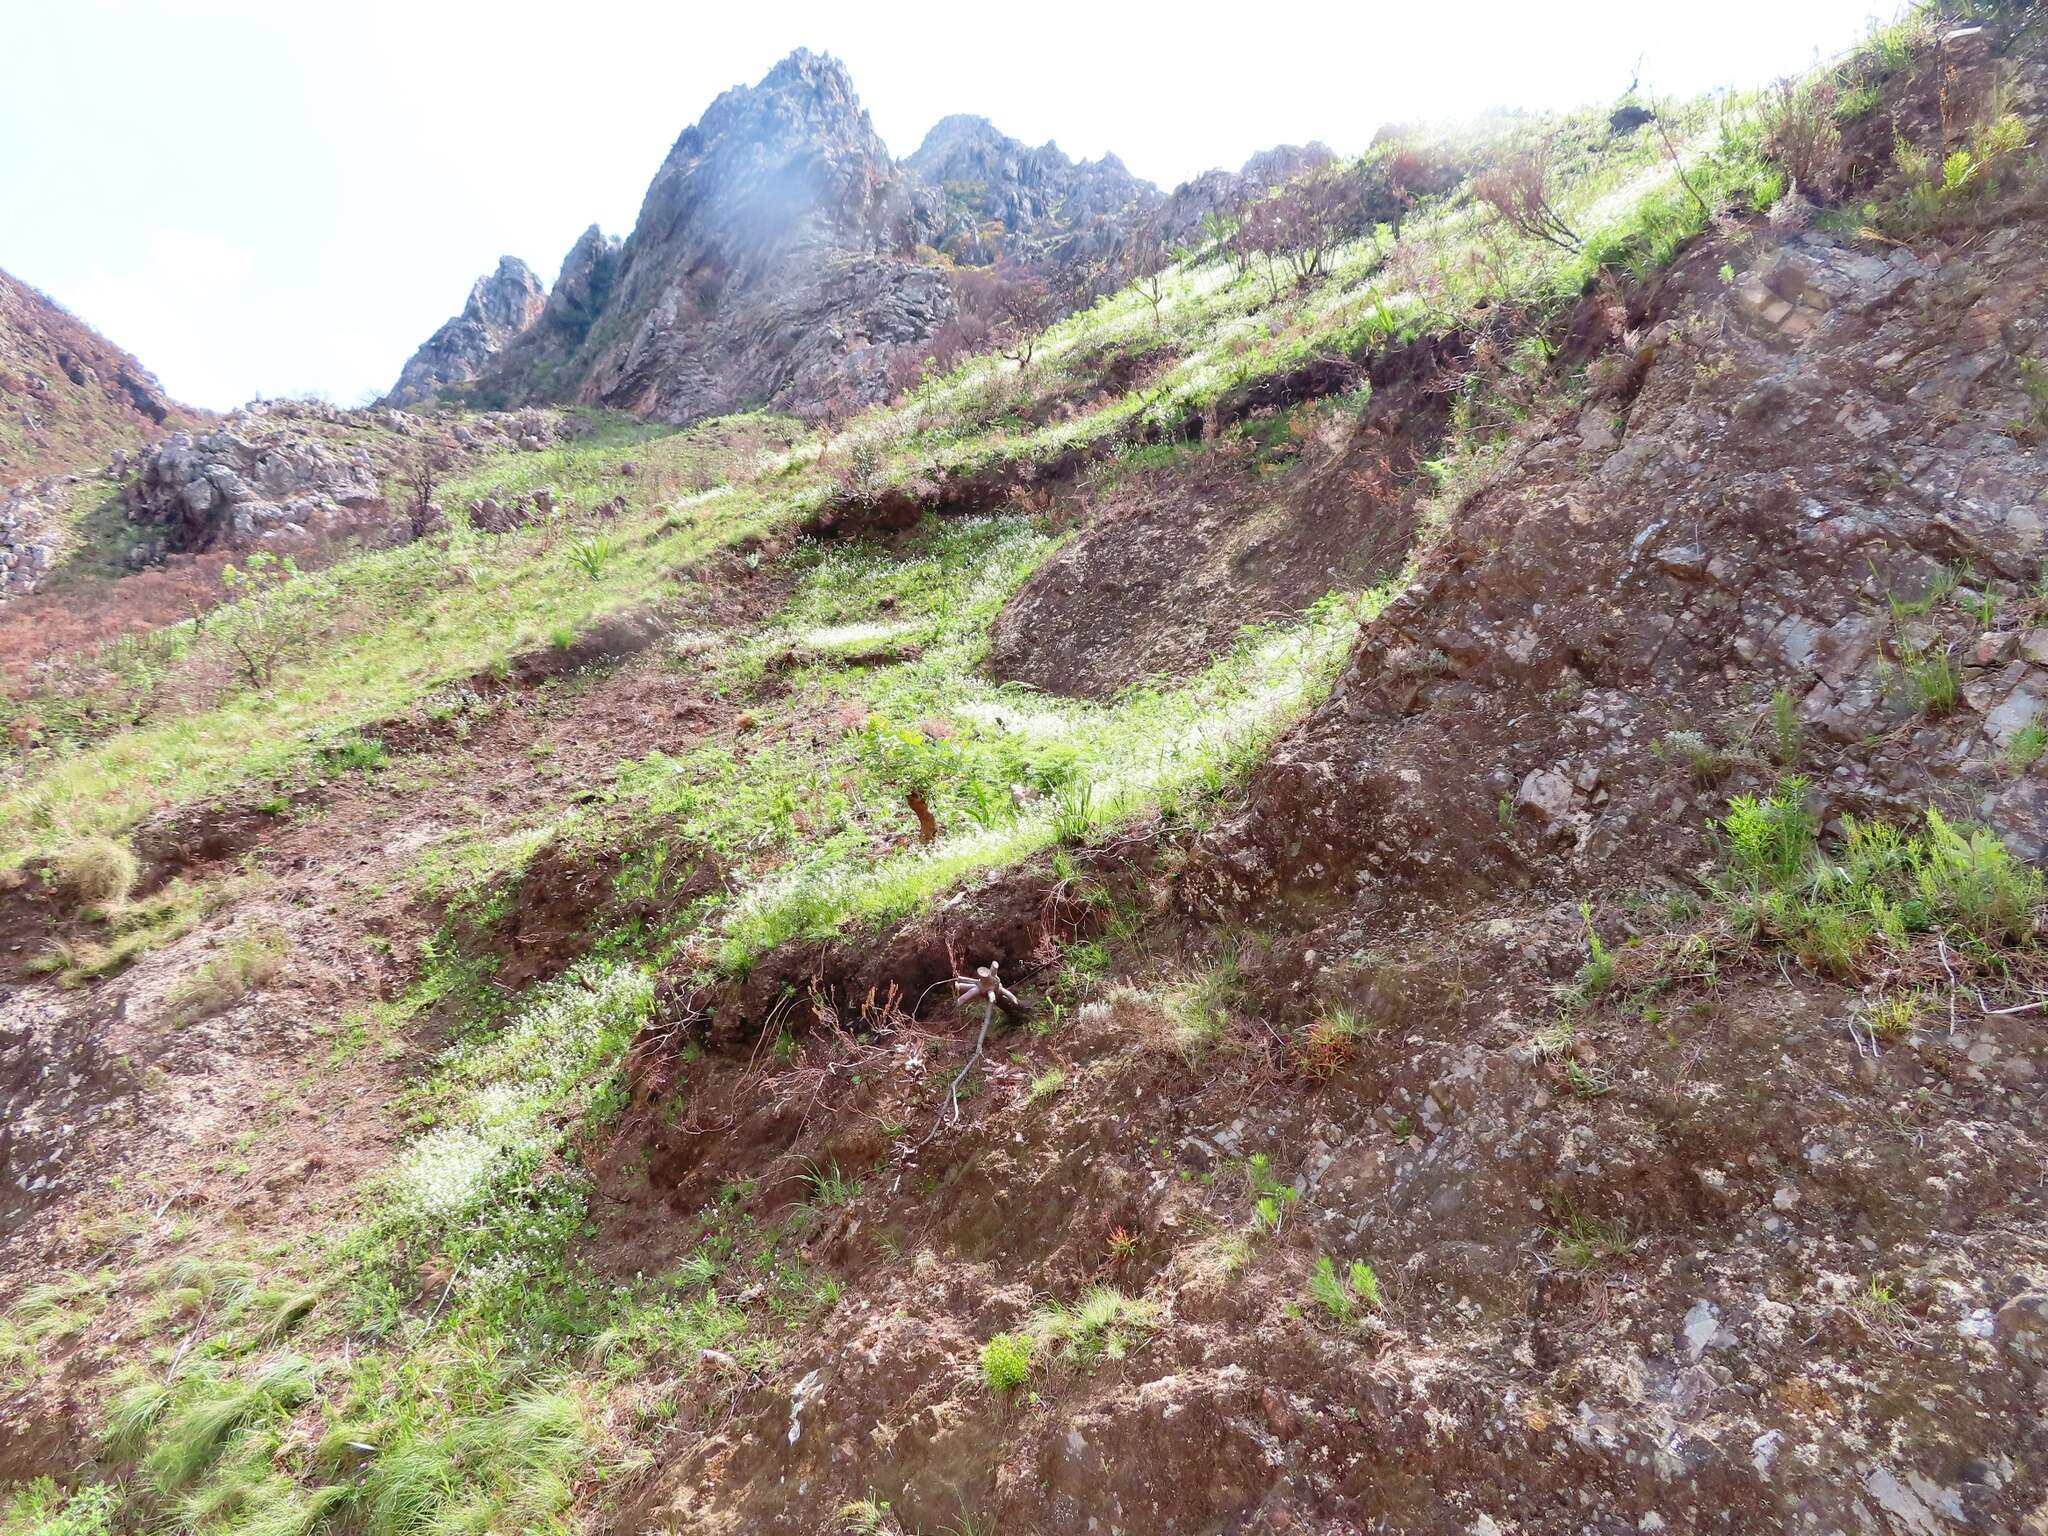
x=226 y=978
x=97 y=871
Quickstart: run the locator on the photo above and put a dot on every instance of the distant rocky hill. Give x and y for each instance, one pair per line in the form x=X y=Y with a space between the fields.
x=68 y=396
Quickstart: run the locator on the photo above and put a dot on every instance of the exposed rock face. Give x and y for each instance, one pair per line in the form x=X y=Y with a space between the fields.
x=68 y=396
x=772 y=260
x=584 y=283
x=1730 y=520
x=501 y=306
x=279 y=469
x=986 y=196
x=26 y=510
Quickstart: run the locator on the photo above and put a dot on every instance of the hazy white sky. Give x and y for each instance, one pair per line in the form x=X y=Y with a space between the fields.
x=273 y=196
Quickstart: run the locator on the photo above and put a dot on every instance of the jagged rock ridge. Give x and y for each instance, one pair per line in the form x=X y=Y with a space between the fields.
x=501 y=305
x=987 y=196
x=774 y=260
x=771 y=263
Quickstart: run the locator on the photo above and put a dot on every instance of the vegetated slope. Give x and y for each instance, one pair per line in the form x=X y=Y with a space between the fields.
x=68 y=397
x=1499 y=1046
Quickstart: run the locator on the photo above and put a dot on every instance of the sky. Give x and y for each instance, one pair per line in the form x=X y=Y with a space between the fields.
x=286 y=198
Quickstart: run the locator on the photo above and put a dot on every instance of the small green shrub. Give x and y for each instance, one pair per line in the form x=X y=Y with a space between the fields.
x=1270 y=1196
x=1967 y=877
x=1598 y=973
x=274 y=617
x=2026 y=746
x=1788 y=735
x=1046 y=1084
x=2033 y=426
x=41 y=1508
x=1856 y=103
x=1006 y=1362
x=1884 y=885
x=1771 y=838
x=1342 y=1297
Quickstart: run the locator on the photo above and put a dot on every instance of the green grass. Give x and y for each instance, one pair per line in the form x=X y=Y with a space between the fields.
x=1838 y=908
x=454 y=1356
x=1104 y=1325
x=830 y=1188
x=1584 y=1240
x=1046 y=1085
x=1933 y=678
x=429 y=613
x=2026 y=747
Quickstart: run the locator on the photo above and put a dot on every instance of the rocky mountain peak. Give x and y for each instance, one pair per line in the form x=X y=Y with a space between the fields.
x=584 y=282
x=507 y=297
x=768 y=265
x=501 y=305
x=789 y=161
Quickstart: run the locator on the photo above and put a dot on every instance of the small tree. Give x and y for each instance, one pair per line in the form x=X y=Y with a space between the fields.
x=1026 y=307
x=1519 y=194
x=269 y=623
x=422 y=475
x=1147 y=259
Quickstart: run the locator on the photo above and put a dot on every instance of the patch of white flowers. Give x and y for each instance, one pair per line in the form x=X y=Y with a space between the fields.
x=570 y=1033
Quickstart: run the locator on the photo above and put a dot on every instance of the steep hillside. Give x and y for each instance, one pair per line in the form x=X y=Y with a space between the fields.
x=68 y=397
x=1388 y=881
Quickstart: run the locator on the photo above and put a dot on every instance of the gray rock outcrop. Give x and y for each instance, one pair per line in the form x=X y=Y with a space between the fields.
x=245 y=480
